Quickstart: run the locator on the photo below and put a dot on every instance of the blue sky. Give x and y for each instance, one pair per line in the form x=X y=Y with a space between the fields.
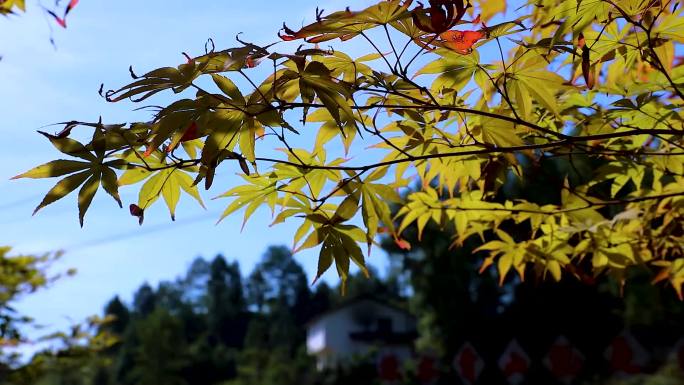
x=40 y=85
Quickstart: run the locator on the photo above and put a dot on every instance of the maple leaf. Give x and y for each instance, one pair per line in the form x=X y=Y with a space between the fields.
x=323 y=29
x=71 y=6
x=458 y=41
x=61 y=21
x=190 y=133
x=461 y=41
x=347 y=24
x=138 y=212
x=402 y=244
x=586 y=63
x=441 y=16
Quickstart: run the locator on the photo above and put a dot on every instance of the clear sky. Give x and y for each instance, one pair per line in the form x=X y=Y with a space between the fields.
x=40 y=85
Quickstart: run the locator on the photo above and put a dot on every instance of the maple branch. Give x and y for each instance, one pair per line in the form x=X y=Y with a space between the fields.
x=490 y=150
x=649 y=41
x=437 y=107
x=591 y=204
x=378 y=51
x=487 y=151
x=394 y=50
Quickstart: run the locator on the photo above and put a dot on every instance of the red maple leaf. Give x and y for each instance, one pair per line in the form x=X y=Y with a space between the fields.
x=71 y=6
x=137 y=211
x=461 y=41
x=191 y=133
x=402 y=243
x=62 y=20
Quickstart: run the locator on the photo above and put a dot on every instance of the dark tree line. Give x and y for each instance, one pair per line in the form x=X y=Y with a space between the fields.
x=457 y=302
x=212 y=326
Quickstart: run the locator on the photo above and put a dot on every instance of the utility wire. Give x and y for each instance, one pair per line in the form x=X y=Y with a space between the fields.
x=21 y=202
x=141 y=232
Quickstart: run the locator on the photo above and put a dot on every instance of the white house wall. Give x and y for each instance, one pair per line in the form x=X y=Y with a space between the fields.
x=315 y=339
x=329 y=337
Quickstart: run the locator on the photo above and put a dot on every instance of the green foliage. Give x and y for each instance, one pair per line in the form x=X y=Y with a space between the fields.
x=11 y=6
x=457 y=127
x=78 y=357
x=273 y=367
x=20 y=275
x=159 y=355
x=199 y=329
x=488 y=315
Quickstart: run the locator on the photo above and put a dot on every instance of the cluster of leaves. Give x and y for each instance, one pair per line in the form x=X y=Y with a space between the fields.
x=457 y=127
x=20 y=275
x=11 y=6
x=480 y=311
x=8 y=7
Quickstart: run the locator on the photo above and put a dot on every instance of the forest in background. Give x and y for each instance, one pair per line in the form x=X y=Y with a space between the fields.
x=215 y=326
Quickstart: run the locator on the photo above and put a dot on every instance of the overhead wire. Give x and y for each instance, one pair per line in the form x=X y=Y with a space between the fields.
x=21 y=202
x=140 y=232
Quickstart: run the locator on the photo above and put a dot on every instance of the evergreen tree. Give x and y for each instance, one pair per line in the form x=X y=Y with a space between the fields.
x=120 y=315
x=160 y=354
x=226 y=315
x=144 y=301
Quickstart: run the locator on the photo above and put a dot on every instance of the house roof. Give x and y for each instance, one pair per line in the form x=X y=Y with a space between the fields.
x=358 y=299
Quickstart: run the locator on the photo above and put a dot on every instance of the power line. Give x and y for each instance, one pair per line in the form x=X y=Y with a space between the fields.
x=27 y=216
x=21 y=202
x=141 y=232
